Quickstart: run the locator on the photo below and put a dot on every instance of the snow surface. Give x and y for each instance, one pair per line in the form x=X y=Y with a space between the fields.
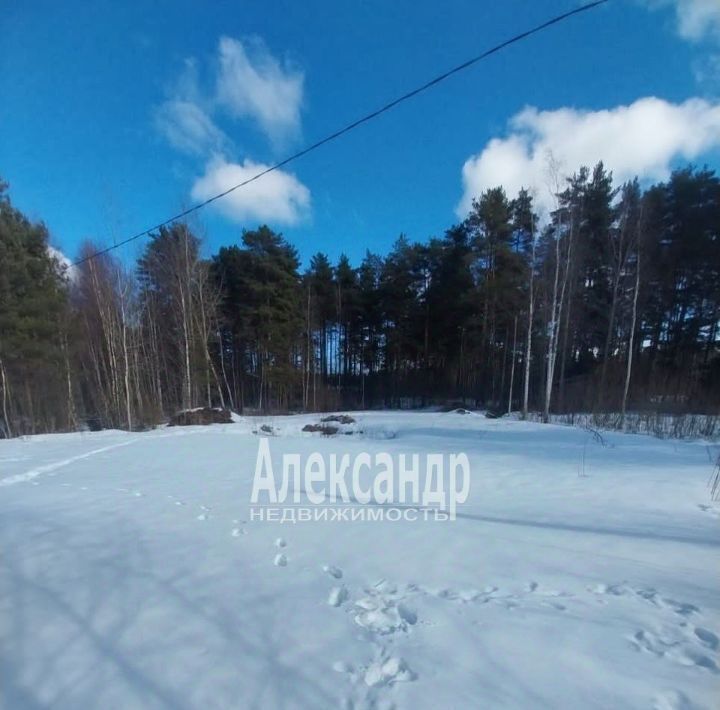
x=576 y=575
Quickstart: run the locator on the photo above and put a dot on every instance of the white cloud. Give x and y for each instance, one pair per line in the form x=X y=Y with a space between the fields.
x=275 y=198
x=247 y=82
x=64 y=265
x=707 y=71
x=185 y=118
x=641 y=139
x=252 y=83
x=695 y=18
x=189 y=129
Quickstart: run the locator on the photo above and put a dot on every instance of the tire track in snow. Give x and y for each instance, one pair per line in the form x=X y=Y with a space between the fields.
x=47 y=468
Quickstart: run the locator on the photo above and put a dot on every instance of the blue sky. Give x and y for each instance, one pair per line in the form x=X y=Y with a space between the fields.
x=116 y=115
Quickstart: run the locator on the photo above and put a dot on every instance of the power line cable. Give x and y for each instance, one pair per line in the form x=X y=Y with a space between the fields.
x=351 y=126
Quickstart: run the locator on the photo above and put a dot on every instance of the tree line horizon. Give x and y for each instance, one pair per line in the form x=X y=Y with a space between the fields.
x=612 y=305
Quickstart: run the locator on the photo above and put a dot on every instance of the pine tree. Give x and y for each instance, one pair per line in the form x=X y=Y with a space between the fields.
x=33 y=306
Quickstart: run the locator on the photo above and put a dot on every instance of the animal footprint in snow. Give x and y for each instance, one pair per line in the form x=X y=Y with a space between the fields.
x=205 y=513
x=333 y=571
x=615 y=590
x=710 y=510
x=280 y=542
x=464 y=596
x=691 y=657
x=337 y=596
x=652 y=643
x=707 y=638
x=535 y=588
x=447 y=594
x=681 y=608
x=674 y=647
x=382 y=615
x=239 y=531
x=406 y=614
x=468 y=595
x=342 y=667
x=672 y=700
x=555 y=605
x=280 y=560
x=649 y=595
x=392 y=670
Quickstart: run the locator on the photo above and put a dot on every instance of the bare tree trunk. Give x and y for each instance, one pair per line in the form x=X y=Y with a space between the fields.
x=71 y=415
x=620 y=256
x=564 y=346
x=608 y=337
x=208 y=300
x=3 y=382
x=314 y=379
x=512 y=367
x=306 y=378
x=362 y=372
x=224 y=372
x=497 y=404
x=631 y=342
x=339 y=331
x=126 y=358
x=184 y=280
x=531 y=313
x=187 y=375
x=30 y=407
x=558 y=300
x=153 y=357
x=140 y=400
x=552 y=348
x=104 y=326
x=262 y=381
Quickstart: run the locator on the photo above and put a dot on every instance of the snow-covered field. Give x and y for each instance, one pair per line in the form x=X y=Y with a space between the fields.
x=575 y=576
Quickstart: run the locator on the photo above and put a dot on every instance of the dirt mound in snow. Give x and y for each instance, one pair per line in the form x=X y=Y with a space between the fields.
x=202 y=416
x=339 y=418
x=455 y=407
x=324 y=429
x=494 y=414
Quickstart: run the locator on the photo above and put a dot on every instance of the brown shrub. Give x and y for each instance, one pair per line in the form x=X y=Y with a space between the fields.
x=202 y=416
